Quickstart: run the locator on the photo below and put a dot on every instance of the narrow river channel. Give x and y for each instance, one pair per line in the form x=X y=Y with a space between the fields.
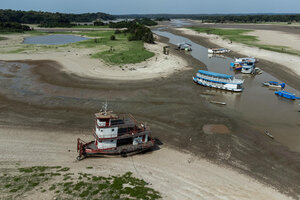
x=256 y=104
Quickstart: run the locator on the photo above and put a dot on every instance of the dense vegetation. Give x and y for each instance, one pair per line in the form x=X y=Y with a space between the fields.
x=56 y=24
x=13 y=27
x=127 y=24
x=99 y=23
x=140 y=32
x=137 y=29
x=162 y=19
x=37 y=17
x=242 y=18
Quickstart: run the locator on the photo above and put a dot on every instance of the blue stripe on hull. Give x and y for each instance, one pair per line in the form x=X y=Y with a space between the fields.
x=211 y=86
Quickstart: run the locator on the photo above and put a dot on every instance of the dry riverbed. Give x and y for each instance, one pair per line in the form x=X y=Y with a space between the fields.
x=60 y=98
x=163 y=170
x=78 y=61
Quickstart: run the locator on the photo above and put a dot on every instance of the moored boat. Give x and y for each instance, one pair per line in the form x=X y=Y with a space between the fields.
x=247 y=59
x=218 y=50
x=248 y=68
x=236 y=66
x=184 y=46
x=287 y=95
x=274 y=85
x=218 y=102
x=217 y=80
x=269 y=134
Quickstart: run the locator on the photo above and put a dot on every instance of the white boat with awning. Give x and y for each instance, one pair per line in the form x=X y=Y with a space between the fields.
x=248 y=59
x=217 y=80
x=218 y=50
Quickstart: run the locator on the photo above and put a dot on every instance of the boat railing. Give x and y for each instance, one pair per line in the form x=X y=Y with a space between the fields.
x=230 y=80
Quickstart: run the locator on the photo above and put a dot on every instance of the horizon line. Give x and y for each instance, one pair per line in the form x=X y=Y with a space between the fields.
x=250 y=13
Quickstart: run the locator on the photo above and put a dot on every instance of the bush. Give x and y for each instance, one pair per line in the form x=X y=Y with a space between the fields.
x=140 y=32
x=112 y=37
x=99 y=23
x=56 y=24
x=118 y=32
x=13 y=27
x=137 y=29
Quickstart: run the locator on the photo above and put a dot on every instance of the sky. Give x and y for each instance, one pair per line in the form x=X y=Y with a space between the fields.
x=156 y=6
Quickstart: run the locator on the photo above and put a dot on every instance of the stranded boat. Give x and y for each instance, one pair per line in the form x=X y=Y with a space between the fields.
x=218 y=50
x=287 y=95
x=274 y=85
x=115 y=135
x=184 y=46
x=269 y=134
x=245 y=67
x=248 y=68
x=248 y=59
x=220 y=81
x=236 y=66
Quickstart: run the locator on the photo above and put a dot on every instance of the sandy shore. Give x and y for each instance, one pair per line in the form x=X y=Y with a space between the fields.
x=289 y=61
x=176 y=175
x=77 y=61
x=165 y=169
x=277 y=38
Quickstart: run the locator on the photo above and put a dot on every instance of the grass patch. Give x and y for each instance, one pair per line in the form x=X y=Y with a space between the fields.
x=14 y=186
x=3 y=38
x=133 y=53
x=90 y=26
x=20 y=50
x=280 y=49
x=235 y=35
x=98 y=34
x=119 y=51
x=114 y=187
x=238 y=35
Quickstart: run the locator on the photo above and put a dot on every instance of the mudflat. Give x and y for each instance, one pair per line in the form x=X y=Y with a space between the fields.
x=54 y=99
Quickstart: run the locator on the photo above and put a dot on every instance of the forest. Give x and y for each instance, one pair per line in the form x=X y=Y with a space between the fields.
x=251 y=18
x=222 y=18
x=13 y=27
x=137 y=29
x=38 y=17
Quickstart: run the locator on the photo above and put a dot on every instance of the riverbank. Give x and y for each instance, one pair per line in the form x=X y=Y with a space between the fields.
x=78 y=61
x=174 y=107
x=163 y=170
x=282 y=66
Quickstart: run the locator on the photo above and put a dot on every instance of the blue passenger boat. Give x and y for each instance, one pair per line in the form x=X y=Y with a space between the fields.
x=287 y=95
x=217 y=80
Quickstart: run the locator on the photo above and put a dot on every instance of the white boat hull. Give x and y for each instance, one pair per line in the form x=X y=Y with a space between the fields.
x=247 y=70
x=211 y=51
x=229 y=87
